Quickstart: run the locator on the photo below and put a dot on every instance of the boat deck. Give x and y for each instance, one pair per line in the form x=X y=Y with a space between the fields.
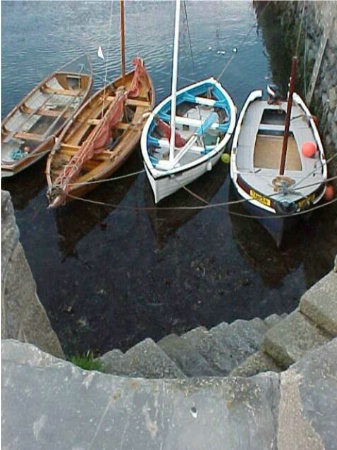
x=259 y=149
x=268 y=151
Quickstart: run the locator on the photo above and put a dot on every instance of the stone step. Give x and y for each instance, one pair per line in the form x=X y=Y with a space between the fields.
x=110 y=359
x=186 y=356
x=274 y=319
x=146 y=359
x=223 y=350
x=195 y=336
x=225 y=346
x=256 y=363
x=288 y=341
x=260 y=361
x=319 y=303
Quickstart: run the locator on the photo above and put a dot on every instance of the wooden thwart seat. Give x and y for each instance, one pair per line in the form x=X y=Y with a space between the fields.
x=44 y=112
x=120 y=125
x=135 y=102
x=26 y=135
x=60 y=91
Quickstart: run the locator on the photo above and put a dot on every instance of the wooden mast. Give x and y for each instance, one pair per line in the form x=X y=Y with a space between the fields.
x=287 y=120
x=122 y=38
x=174 y=80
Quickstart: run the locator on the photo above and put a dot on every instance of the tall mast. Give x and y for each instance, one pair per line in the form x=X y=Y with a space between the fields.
x=287 y=121
x=122 y=38
x=174 y=80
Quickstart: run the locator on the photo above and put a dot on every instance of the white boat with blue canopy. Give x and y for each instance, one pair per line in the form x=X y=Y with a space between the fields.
x=186 y=133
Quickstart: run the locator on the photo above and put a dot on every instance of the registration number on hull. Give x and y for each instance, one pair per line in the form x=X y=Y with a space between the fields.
x=306 y=201
x=260 y=198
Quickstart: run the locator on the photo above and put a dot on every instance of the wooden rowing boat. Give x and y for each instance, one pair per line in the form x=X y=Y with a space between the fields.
x=99 y=139
x=28 y=132
x=102 y=134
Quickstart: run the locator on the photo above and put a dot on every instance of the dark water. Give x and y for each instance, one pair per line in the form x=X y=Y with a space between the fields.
x=116 y=270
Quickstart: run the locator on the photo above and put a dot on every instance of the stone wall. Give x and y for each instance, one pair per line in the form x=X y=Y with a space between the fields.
x=315 y=19
x=22 y=315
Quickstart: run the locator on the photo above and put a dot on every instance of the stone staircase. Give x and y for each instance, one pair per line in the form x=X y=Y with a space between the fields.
x=242 y=348
x=197 y=353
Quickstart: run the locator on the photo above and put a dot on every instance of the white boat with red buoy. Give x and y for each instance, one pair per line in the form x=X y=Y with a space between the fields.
x=278 y=164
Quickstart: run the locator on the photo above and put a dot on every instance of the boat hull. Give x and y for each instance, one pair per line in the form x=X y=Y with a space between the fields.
x=167 y=184
x=28 y=132
x=277 y=226
x=167 y=175
x=278 y=202
x=90 y=122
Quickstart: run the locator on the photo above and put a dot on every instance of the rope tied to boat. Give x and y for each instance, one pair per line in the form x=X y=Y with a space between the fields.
x=18 y=154
x=283 y=184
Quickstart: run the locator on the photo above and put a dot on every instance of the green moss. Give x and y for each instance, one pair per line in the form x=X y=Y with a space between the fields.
x=87 y=362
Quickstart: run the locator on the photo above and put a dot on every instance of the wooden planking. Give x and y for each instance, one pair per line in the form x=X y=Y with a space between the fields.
x=135 y=102
x=26 y=135
x=59 y=91
x=268 y=150
x=45 y=112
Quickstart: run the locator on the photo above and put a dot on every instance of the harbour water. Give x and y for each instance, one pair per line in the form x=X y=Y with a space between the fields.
x=114 y=268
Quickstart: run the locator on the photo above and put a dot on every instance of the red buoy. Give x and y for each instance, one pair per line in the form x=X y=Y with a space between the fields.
x=309 y=149
x=329 y=193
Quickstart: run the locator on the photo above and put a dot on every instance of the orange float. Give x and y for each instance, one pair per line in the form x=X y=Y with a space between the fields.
x=329 y=193
x=309 y=149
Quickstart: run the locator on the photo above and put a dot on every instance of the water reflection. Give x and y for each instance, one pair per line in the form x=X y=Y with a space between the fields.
x=310 y=246
x=77 y=218
x=26 y=185
x=167 y=217
x=273 y=37
x=258 y=248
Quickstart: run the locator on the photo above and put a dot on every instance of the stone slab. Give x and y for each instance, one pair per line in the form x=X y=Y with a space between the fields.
x=144 y=360
x=56 y=406
x=308 y=403
x=23 y=317
x=187 y=357
x=274 y=319
x=148 y=359
x=195 y=336
x=320 y=303
x=9 y=232
x=226 y=346
x=288 y=341
x=254 y=364
x=110 y=359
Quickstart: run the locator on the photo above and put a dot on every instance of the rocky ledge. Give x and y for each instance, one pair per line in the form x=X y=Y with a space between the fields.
x=50 y=404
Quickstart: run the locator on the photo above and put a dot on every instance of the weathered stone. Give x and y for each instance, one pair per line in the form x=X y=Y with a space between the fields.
x=110 y=359
x=288 y=341
x=195 y=336
x=187 y=358
x=256 y=363
x=320 y=303
x=54 y=405
x=146 y=359
x=274 y=319
x=9 y=234
x=22 y=315
x=229 y=345
x=307 y=410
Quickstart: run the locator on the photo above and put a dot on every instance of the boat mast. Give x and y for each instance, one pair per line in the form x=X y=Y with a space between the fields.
x=122 y=38
x=174 y=80
x=287 y=120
